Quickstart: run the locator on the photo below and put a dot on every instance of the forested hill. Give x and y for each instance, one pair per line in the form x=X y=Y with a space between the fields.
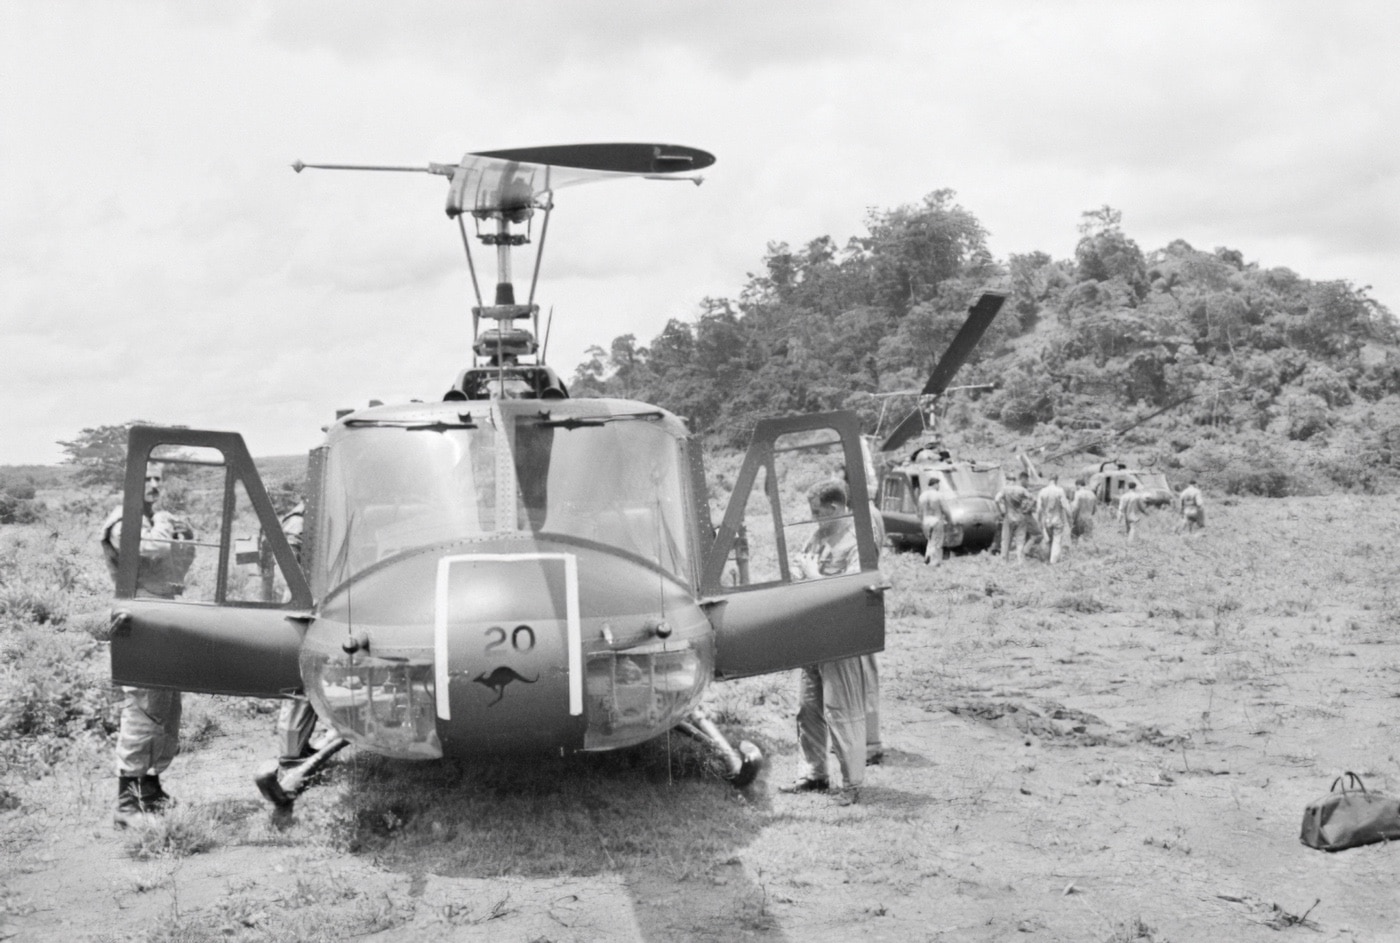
x=1294 y=383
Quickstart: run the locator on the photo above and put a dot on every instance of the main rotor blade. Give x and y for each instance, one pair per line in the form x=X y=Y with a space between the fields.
x=979 y=318
x=660 y=160
x=487 y=182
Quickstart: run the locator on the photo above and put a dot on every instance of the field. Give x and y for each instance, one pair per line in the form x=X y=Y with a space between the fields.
x=1119 y=749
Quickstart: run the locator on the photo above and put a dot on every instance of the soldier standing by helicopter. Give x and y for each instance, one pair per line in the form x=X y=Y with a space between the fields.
x=1017 y=508
x=296 y=721
x=148 y=734
x=933 y=518
x=1193 y=508
x=874 y=745
x=1052 y=513
x=831 y=695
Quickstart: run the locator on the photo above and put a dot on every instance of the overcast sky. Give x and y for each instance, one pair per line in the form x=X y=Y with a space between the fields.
x=159 y=260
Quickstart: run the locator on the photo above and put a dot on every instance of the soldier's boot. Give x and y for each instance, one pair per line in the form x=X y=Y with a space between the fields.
x=153 y=797
x=129 y=807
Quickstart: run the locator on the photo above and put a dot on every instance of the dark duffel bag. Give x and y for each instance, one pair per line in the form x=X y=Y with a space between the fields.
x=1350 y=816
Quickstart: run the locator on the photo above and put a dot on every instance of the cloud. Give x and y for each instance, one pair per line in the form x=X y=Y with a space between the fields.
x=170 y=265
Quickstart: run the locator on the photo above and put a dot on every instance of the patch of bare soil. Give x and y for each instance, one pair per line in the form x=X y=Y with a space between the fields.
x=1116 y=749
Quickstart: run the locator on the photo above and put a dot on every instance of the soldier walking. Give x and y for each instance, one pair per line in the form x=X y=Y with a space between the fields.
x=1052 y=513
x=1082 y=508
x=1017 y=508
x=934 y=520
x=1193 y=508
x=1132 y=508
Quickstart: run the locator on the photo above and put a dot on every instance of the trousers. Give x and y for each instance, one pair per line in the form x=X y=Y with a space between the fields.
x=149 y=735
x=831 y=716
x=871 y=670
x=296 y=721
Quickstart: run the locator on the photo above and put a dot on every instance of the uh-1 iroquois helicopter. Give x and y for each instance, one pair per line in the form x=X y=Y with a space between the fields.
x=507 y=569
x=968 y=487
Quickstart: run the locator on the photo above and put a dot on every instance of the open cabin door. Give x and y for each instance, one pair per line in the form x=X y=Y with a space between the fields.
x=766 y=617
x=210 y=596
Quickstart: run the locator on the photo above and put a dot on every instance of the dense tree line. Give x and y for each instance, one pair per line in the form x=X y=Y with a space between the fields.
x=1282 y=383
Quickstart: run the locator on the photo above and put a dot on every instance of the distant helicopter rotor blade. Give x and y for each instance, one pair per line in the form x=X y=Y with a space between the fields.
x=979 y=318
x=1114 y=433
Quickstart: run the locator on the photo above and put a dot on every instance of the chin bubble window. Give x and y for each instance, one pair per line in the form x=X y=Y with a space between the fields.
x=385 y=705
x=630 y=694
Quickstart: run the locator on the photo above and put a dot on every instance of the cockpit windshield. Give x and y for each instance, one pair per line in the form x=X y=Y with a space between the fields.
x=969 y=480
x=395 y=486
x=1153 y=481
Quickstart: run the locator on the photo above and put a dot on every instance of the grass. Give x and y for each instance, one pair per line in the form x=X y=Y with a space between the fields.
x=1196 y=619
x=542 y=816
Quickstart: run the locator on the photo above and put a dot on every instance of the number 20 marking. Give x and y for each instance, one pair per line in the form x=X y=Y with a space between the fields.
x=522 y=639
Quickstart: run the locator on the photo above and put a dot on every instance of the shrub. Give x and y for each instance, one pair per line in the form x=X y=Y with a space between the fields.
x=28 y=605
x=47 y=688
x=15 y=510
x=21 y=490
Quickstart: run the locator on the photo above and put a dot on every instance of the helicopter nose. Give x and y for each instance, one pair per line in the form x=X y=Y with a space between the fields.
x=508 y=651
x=456 y=653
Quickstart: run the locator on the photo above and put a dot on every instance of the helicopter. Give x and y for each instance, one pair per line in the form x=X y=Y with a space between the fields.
x=969 y=487
x=1109 y=478
x=507 y=569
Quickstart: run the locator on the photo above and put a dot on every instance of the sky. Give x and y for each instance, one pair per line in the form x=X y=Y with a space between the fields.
x=160 y=261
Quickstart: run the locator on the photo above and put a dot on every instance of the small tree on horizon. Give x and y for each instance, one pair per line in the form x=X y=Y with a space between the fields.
x=100 y=453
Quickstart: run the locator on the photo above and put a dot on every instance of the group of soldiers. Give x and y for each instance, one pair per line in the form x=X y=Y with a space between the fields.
x=1047 y=517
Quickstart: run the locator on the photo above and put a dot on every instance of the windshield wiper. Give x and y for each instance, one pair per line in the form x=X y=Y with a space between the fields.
x=463 y=421
x=577 y=422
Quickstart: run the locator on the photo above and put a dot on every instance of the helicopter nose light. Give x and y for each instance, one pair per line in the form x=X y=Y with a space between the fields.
x=661 y=628
x=356 y=642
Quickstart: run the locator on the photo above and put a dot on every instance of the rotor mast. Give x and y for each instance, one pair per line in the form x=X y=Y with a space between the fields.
x=507 y=187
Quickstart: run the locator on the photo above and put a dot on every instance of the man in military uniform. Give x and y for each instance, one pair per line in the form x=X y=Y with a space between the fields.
x=831 y=695
x=1193 y=508
x=1132 y=508
x=1052 y=513
x=148 y=735
x=874 y=745
x=933 y=520
x=296 y=721
x=1018 y=524
x=1082 y=508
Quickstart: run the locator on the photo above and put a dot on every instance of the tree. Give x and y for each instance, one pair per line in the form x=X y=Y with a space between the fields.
x=911 y=250
x=100 y=454
x=626 y=360
x=588 y=376
x=1104 y=252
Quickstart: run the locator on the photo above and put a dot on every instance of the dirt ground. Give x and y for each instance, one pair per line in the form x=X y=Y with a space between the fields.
x=1118 y=748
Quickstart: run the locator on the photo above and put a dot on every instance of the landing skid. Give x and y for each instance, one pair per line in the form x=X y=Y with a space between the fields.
x=741 y=766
